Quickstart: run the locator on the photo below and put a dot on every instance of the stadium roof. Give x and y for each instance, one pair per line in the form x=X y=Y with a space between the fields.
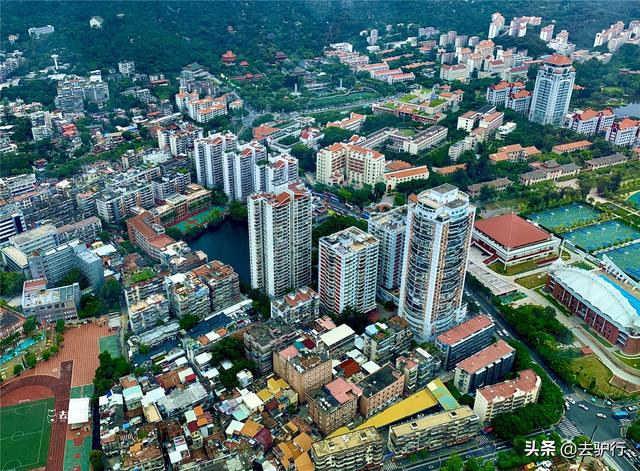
x=511 y=231
x=603 y=294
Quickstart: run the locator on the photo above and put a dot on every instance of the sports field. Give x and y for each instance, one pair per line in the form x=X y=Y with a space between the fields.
x=627 y=259
x=199 y=219
x=634 y=200
x=24 y=434
x=601 y=235
x=565 y=216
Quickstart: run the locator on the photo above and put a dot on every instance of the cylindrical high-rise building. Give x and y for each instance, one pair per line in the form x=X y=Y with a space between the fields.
x=552 y=92
x=439 y=227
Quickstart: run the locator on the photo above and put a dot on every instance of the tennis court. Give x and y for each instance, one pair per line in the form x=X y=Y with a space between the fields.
x=634 y=200
x=565 y=216
x=199 y=219
x=111 y=344
x=25 y=434
x=601 y=235
x=627 y=259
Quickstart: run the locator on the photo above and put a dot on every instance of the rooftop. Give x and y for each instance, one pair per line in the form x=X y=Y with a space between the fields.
x=465 y=330
x=511 y=231
x=526 y=382
x=485 y=357
x=432 y=421
x=376 y=382
x=347 y=441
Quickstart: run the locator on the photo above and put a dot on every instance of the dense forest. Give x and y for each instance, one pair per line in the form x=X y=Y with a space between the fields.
x=164 y=36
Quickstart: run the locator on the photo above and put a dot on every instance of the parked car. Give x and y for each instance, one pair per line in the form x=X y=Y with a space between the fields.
x=600 y=415
x=571 y=400
x=582 y=406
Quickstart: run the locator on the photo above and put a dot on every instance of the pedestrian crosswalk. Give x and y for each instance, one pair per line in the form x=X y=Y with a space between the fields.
x=568 y=429
x=389 y=465
x=482 y=440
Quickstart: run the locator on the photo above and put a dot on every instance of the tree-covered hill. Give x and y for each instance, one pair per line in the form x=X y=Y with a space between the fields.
x=164 y=36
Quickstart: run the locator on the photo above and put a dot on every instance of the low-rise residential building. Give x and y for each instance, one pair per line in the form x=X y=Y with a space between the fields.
x=187 y=295
x=489 y=366
x=505 y=397
x=513 y=153
x=607 y=161
x=464 y=340
x=145 y=233
x=379 y=390
x=340 y=163
x=223 y=283
x=352 y=123
x=395 y=177
x=352 y=451
x=519 y=101
x=334 y=405
x=458 y=72
x=48 y=305
x=571 y=147
x=263 y=339
x=430 y=137
x=490 y=122
x=497 y=93
x=444 y=429
x=298 y=307
x=86 y=230
x=419 y=367
x=623 y=133
x=305 y=371
x=148 y=312
x=385 y=340
x=510 y=239
x=499 y=185
x=337 y=341
x=549 y=170
x=589 y=121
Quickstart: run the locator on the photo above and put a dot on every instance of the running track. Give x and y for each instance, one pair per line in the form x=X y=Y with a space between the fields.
x=60 y=387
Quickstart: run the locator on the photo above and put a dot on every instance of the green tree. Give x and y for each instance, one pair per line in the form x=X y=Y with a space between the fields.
x=30 y=325
x=188 y=321
x=17 y=369
x=143 y=349
x=633 y=432
x=46 y=354
x=30 y=360
x=96 y=460
x=11 y=283
x=453 y=463
x=60 y=326
x=110 y=293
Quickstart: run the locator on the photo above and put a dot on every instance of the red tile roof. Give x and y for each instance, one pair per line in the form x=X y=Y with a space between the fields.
x=511 y=231
x=464 y=330
x=485 y=357
x=558 y=59
x=526 y=382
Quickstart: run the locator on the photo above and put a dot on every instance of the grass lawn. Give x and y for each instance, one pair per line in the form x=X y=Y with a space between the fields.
x=514 y=269
x=632 y=362
x=612 y=91
x=595 y=335
x=589 y=370
x=25 y=434
x=584 y=265
x=532 y=281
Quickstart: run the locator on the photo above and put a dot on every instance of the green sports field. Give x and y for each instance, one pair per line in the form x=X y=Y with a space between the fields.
x=25 y=430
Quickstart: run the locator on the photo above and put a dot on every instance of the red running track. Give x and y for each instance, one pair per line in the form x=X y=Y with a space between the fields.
x=60 y=387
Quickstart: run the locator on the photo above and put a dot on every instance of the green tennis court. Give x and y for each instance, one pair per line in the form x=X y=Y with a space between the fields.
x=111 y=344
x=199 y=219
x=24 y=435
x=601 y=235
x=565 y=216
x=627 y=259
x=634 y=200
